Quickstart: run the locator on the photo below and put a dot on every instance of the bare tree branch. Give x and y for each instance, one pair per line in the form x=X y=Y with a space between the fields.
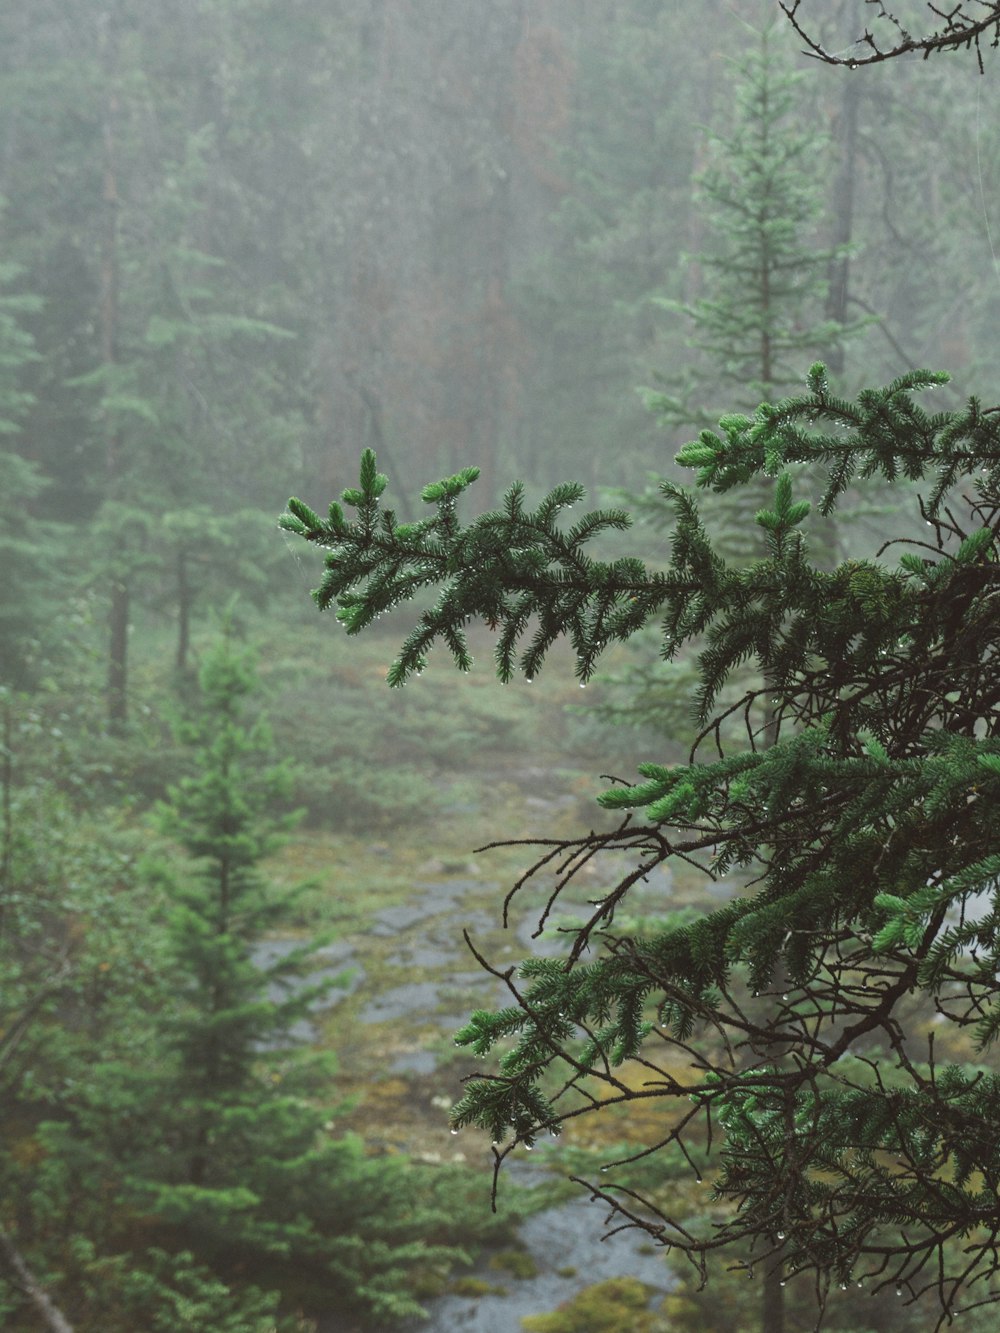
x=956 y=27
x=52 y=1317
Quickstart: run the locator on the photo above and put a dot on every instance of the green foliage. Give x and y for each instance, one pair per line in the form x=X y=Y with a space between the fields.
x=29 y=555
x=597 y=602
x=866 y=827
x=765 y=278
x=17 y=348
x=169 y=1151
x=173 y=1293
x=764 y=282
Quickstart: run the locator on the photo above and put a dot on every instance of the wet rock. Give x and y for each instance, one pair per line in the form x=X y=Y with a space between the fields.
x=394 y=920
x=332 y=965
x=414 y=1062
x=418 y=997
x=568 y=1253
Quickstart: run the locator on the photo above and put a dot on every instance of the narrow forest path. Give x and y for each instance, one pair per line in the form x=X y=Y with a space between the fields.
x=409 y=984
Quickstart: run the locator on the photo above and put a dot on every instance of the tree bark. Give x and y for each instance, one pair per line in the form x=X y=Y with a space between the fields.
x=6 y=806
x=117 y=687
x=773 y=1320
x=185 y=598
x=117 y=681
x=843 y=216
x=52 y=1317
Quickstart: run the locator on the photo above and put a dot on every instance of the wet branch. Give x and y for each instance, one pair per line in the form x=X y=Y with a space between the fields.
x=956 y=28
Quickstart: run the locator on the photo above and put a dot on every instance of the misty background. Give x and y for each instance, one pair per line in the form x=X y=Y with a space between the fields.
x=241 y=241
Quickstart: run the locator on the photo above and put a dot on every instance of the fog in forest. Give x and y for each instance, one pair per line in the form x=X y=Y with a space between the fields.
x=242 y=242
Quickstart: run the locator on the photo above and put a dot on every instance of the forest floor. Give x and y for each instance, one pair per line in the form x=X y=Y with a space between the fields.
x=409 y=979
x=403 y=787
x=399 y=789
x=410 y=982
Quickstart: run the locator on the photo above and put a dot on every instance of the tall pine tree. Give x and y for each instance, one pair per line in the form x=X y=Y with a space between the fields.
x=763 y=275
x=247 y=1172
x=763 y=282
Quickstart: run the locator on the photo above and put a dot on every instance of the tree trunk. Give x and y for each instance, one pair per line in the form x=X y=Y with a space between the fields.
x=185 y=598
x=117 y=695
x=52 y=1317
x=773 y=1319
x=117 y=689
x=7 y=815
x=773 y=1310
x=843 y=216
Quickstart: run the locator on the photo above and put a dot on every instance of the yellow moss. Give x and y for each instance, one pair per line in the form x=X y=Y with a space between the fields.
x=518 y=1263
x=475 y=1286
x=619 y=1305
x=428 y=1284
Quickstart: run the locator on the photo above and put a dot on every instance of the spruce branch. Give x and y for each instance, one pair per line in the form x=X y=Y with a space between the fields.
x=860 y=847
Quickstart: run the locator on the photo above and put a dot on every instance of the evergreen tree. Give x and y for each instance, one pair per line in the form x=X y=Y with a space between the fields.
x=188 y=1177
x=73 y=943
x=588 y=302
x=764 y=282
x=762 y=274
x=220 y=910
x=246 y=1170
x=25 y=601
x=822 y=1023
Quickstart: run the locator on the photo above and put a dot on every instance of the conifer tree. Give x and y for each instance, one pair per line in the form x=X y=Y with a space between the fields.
x=866 y=947
x=25 y=604
x=191 y=1176
x=222 y=814
x=246 y=1167
x=763 y=276
x=761 y=311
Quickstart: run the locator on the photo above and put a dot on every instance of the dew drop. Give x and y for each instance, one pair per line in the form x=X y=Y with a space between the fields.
x=781 y=1235
x=454 y=1131
x=899 y=1291
x=783 y=1283
x=528 y=1147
